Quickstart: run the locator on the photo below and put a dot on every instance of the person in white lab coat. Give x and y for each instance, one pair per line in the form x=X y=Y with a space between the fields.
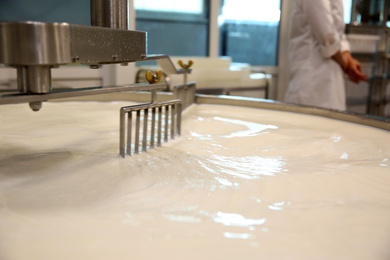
x=319 y=55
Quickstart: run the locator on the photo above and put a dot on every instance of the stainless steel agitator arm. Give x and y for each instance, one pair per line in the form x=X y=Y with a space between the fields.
x=34 y=48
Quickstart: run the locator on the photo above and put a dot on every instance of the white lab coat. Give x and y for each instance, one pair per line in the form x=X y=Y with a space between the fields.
x=317 y=33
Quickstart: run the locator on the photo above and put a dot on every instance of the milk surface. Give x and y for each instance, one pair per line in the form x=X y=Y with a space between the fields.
x=240 y=183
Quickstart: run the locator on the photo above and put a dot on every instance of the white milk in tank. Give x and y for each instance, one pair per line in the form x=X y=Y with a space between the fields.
x=240 y=183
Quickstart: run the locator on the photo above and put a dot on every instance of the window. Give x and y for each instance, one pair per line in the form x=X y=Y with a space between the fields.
x=249 y=31
x=174 y=27
x=70 y=11
x=177 y=6
x=347 y=11
x=251 y=10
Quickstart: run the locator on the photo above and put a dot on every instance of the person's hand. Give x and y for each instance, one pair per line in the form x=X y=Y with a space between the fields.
x=353 y=69
x=341 y=59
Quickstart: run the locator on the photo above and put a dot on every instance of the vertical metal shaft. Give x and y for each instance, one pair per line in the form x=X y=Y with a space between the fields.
x=153 y=130
x=129 y=130
x=22 y=79
x=166 y=124
x=173 y=110
x=159 y=126
x=137 y=129
x=154 y=96
x=122 y=127
x=178 y=119
x=145 y=132
x=109 y=13
x=34 y=79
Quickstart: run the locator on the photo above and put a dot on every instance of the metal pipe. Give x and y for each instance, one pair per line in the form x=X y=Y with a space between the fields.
x=34 y=79
x=122 y=127
x=166 y=124
x=153 y=130
x=21 y=73
x=173 y=111
x=109 y=13
x=137 y=129
x=18 y=98
x=159 y=126
x=129 y=130
x=145 y=132
x=38 y=79
x=178 y=119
